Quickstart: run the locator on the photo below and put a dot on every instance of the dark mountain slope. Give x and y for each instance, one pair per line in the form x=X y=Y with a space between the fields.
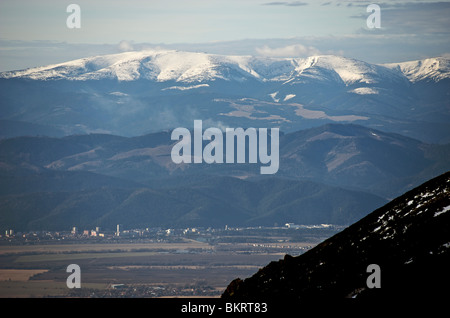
x=329 y=174
x=348 y=156
x=58 y=200
x=408 y=238
x=355 y=156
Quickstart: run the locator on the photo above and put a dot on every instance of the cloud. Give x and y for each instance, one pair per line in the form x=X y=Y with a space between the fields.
x=295 y=50
x=125 y=46
x=284 y=3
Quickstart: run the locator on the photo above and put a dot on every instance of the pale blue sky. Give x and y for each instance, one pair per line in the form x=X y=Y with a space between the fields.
x=173 y=21
x=34 y=32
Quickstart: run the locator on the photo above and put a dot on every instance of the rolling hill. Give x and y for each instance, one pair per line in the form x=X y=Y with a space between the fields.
x=330 y=174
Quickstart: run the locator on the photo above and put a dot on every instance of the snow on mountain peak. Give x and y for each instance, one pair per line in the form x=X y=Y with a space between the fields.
x=351 y=71
x=194 y=67
x=128 y=66
x=435 y=69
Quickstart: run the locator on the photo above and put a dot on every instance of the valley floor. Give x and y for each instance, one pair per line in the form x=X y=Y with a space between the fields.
x=199 y=264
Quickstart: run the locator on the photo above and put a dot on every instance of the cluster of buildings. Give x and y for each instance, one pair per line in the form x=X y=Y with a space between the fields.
x=97 y=232
x=74 y=233
x=157 y=232
x=9 y=233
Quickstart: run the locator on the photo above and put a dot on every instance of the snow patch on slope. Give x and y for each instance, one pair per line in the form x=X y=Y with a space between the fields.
x=184 y=88
x=447 y=208
x=364 y=91
x=288 y=97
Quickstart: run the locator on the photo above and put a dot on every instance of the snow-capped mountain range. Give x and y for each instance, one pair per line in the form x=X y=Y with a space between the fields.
x=191 y=67
x=134 y=93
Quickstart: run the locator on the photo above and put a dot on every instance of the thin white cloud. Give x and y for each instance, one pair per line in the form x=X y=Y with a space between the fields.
x=285 y=3
x=125 y=46
x=295 y=50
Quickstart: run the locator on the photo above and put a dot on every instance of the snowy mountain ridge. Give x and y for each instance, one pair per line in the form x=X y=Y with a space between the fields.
x=435 y=69
x=191 y=67
x=134 y=93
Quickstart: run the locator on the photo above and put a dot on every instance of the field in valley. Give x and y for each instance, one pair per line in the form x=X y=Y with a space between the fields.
x=180 y=268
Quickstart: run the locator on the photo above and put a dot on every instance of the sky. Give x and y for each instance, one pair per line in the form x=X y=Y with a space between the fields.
x=35 y=33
